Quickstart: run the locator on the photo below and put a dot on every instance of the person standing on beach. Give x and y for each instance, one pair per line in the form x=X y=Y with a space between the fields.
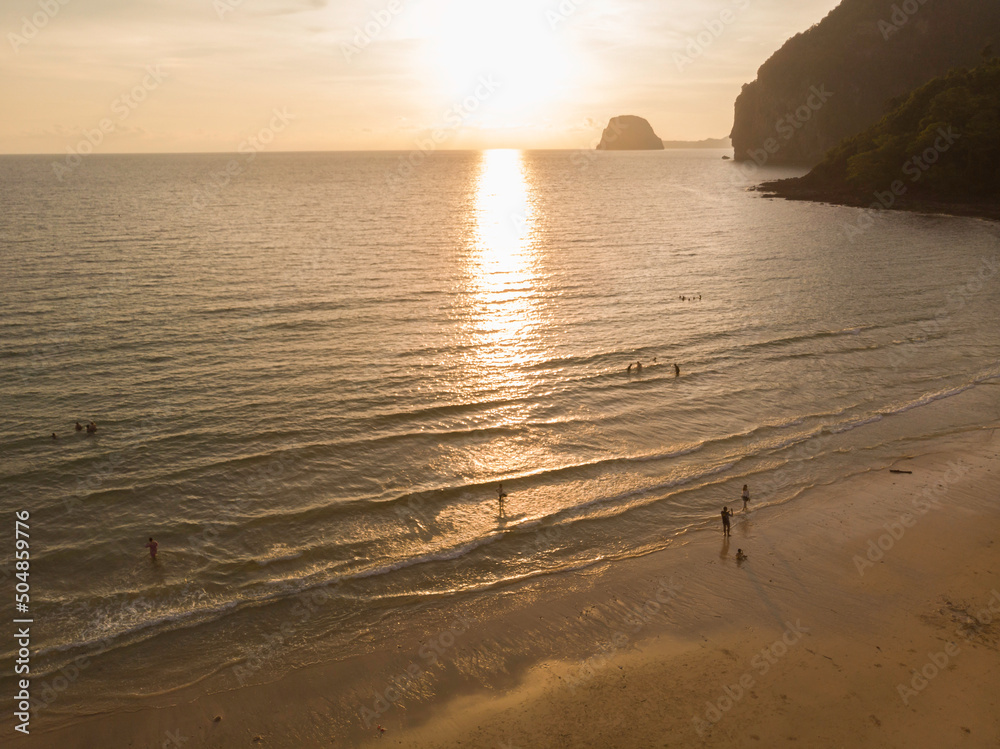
x=726 y=514
x=152 y=548
x=746 y=496
x=501 y=495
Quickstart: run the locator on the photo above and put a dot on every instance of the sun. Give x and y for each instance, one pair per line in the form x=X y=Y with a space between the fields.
x=513 y=42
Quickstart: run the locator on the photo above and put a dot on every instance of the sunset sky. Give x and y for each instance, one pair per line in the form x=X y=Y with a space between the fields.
x=204 y=75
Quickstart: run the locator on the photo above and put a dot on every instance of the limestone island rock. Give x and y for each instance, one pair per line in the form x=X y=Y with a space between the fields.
x=629 y=133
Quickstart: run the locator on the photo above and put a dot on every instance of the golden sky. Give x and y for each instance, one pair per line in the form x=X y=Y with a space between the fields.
x=206 y=75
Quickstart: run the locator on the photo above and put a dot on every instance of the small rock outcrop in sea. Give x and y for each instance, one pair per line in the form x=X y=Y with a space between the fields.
x=629 y=133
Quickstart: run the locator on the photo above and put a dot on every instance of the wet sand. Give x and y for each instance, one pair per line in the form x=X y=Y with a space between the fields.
x=867 y=615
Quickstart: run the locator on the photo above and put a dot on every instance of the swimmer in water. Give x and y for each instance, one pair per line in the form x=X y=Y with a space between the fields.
x=79 y=427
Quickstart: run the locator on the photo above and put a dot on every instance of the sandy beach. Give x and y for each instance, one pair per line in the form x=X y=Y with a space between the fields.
x=868 y=618
x=867 y=615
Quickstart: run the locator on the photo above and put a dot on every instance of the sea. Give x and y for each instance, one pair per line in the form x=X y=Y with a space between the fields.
x=311 y=371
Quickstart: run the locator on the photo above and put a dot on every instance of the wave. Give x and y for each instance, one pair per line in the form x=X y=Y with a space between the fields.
x=758 y=435
x=937 y=395
x=189 y=617
x=813 y=335
x=854 y=424
x=277 y=556
x=269 y=308
x=622 y=502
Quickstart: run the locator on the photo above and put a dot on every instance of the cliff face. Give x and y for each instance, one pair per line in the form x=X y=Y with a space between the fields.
x=629 y=133
x=839 y=77
x=939 y=149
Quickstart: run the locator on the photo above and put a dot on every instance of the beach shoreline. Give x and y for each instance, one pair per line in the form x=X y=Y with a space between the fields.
x=870 y=621
x=635 y=653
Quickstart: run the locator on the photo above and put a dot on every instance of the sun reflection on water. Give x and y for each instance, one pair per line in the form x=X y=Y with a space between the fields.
x=502 y=270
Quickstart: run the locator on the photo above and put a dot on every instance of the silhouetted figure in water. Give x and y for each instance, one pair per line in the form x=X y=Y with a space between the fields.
x=91 y=428
x=726 y=514
x=629 y=367
x=152 y=548
x=677 y=371
x=746 y=496
x=501 y=496
x=638 y=366
x=79 y=427
x=740 y=556
x=55 y=436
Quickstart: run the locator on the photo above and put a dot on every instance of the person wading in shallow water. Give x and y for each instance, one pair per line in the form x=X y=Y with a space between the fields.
x=152 y=548
x=501 y=496
x=746 y=496
x=726 y=514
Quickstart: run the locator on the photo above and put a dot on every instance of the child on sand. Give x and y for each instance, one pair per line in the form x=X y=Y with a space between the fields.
x=740 y=556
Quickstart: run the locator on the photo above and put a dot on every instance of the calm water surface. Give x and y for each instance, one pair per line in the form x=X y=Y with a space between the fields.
x=313 y=378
